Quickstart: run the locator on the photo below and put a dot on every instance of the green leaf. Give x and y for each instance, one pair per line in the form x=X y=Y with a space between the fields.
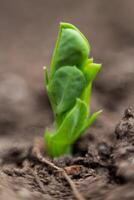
x=90 y=120
x=71 y=48
x=90 y=71
x=66 y=85
x=69 y=130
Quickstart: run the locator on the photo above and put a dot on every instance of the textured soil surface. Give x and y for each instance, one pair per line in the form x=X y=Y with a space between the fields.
x=99 y=170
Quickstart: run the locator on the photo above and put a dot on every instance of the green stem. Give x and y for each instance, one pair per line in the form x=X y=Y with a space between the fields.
x=86 y=96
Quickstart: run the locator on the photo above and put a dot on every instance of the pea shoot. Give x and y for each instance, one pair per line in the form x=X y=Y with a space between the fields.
x=68 y=86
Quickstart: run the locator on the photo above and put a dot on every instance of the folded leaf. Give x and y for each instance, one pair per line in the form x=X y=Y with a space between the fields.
x=90 y=71
x=90 y=120
x=71 y=48
x=69 y=130
x=66 y=85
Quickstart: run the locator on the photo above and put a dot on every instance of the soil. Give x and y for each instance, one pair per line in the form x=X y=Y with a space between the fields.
x=99 y=170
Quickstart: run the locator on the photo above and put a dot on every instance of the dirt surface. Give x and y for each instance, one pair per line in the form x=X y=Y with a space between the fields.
x=99 y=170
x=101 y=166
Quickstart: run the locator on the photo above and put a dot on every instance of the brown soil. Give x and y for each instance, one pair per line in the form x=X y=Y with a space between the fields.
x=98 y=170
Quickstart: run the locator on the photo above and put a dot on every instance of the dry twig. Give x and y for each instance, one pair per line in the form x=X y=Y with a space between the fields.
x=42 y=159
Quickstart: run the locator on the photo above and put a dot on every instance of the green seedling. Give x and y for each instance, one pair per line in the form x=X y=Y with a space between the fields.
x=69 y=85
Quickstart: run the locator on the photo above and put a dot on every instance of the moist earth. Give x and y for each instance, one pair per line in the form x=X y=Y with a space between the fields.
x=100 y=170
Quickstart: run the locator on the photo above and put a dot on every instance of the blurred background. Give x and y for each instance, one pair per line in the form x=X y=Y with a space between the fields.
x=28 y=30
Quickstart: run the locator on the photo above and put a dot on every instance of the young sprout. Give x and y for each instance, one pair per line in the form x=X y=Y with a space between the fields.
x=69 y=86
